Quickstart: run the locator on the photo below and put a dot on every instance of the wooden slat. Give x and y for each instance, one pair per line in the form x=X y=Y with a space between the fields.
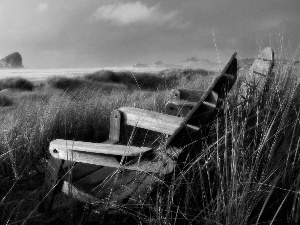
x=261 y=67
x=106 y=148
x=192 y=95
x=264 y=64
x=96 y=177
x=182 y=108
x=158 y=164
x=154 y=165
x=224 y=82
x=81 y=196
x=150 y=120
x=85 y=157
x=114 y=130
x=259 y=73
x=117 y=189
x=182 y=103
x=179 y=107
x=267 y=54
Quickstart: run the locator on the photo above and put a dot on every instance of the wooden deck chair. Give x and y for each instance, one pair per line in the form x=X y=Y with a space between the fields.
x=256 y=81
x=112 y=173
x=259 y=77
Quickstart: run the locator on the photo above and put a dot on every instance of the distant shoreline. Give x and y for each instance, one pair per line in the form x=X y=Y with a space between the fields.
x=41 y=74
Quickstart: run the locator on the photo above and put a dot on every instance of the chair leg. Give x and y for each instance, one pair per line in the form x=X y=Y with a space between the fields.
x=51 y=185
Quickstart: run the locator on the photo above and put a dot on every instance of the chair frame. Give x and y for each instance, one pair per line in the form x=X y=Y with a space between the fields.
x=71 y=160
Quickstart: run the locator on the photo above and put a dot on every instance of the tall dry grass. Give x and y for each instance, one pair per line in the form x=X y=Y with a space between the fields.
x=245 y=171
x=18 y=82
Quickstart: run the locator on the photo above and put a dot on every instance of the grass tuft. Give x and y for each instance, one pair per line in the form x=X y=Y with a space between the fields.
x=133 y=80
x=17 y=83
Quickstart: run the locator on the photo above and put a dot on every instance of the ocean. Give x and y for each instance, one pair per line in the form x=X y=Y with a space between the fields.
x=40 y=74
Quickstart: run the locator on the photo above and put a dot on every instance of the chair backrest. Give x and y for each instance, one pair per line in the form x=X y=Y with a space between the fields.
x=177 y=128
x=257 y=80
x=205 y=110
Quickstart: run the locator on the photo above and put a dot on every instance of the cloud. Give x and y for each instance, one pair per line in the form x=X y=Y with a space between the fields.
x=134 y=13
x=42 y=7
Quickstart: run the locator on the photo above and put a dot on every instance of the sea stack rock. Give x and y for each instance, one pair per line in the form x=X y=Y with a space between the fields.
x=13 y=60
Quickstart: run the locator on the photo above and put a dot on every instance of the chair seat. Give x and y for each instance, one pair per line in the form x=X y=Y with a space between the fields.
x=115 y=187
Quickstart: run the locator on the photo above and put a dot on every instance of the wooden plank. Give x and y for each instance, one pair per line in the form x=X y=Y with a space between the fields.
x=182 y=108
x=182 y=103
x=80 y=170
x=120 y=187
x=224 y=82
x=115 y=124
x=192 y=95
x=179 y=107
x=150 y=120
x=81 y=196
x=267 y=54
x=159 y=163
x=259 y=73
x=261 y=68
x=134 y=188
x=95 y=178
x=156 y=164
x=108 y=149
x=188 y=99
x=85 y=157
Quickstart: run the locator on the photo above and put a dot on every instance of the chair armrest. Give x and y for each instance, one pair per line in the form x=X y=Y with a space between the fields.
x=60 y=146
x=150 y=120
x=84 y=152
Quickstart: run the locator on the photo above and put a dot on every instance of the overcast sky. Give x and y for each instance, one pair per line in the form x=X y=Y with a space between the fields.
x=96 y=33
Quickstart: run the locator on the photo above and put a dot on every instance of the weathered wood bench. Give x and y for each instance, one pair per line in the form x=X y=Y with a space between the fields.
x=115 y=172
x=183 y=100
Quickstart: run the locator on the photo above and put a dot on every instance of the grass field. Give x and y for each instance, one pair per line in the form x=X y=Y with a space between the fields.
x=246 y=173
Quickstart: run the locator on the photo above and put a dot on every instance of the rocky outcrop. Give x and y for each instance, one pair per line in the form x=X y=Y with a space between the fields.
x=13 y=60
